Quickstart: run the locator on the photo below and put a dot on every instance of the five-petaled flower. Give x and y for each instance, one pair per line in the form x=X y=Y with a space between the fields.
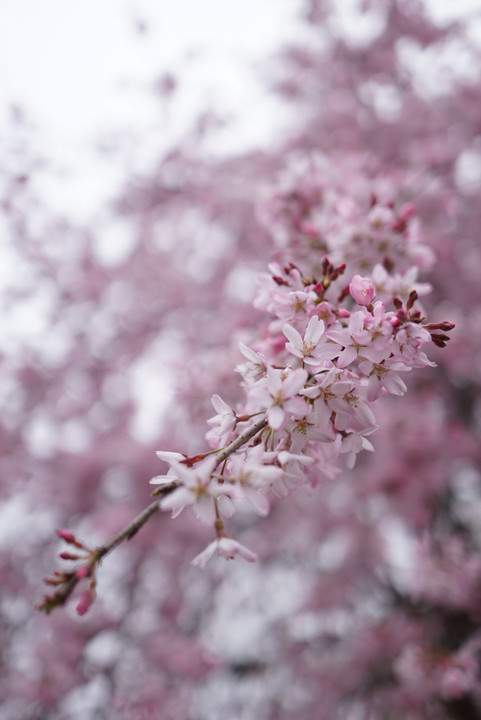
x=197 y=488
x=312 y=349
x=279 y=393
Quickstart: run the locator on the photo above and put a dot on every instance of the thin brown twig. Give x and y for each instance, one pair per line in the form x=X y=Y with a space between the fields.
x=67 y=581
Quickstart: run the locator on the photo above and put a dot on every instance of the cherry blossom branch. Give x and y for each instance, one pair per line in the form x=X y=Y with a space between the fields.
x=335 y=343
x=243 y=438
x=66 y=581
x=128 y=532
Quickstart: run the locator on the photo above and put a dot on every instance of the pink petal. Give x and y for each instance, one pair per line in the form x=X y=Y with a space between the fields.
x=292 y=335
x=275 y=416
x=314 y=331
x=294 y=382
x=347 y=356
x=203 y=558
x=394 y=384
x=374 y=388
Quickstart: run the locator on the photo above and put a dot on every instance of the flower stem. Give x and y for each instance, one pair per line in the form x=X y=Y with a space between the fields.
x=70 y=579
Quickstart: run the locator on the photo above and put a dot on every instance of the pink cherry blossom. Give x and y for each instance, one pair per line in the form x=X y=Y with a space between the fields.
x=312 y=348
x=362 y=290
x=344 y=617
x=224 y=547
x=223 y=423
x=196 y=489
x=279 y=393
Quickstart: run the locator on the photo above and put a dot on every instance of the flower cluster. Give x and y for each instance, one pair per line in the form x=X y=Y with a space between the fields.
x=336 y=340
x=321 y=208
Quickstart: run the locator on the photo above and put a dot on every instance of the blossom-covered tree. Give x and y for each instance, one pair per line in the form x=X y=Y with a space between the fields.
x=364 y=599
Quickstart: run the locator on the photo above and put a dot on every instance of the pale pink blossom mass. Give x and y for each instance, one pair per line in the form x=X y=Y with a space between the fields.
x=318 y=425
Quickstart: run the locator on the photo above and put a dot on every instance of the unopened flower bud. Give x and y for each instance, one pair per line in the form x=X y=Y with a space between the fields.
x=362 y=290
x=439 y=339
x=413 y=296
x=69 y=556
x=86 y=600
x=66 y=535
x=343 y=294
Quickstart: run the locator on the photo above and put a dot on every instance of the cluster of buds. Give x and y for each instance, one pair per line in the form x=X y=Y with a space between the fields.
x=440 y=338
x=65 y=581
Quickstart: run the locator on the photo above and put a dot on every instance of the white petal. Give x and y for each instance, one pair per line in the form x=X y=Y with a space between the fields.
x=203 y=558
x=204 y=510
x=220 y=406
x=347 y=356
x=374 y=388
x=168 y=456
x=275 y=416
x=394 y=384
x=292 y=335
x=314 y=331
x=294 y=382
x=249 y=354
x=258 y=501
x=229 y=548
x=163 y=480
x=177 y=501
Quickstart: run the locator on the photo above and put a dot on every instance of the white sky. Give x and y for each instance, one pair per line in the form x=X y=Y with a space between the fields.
x=81 y=71
x=73 y=62
x=83 y=74
x=68 y=60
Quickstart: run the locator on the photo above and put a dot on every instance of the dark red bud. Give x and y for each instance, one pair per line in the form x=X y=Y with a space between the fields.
x=446 y=326
x=388 y=264
x=344 y=294
x=439 y=340
x=413 y=296
x=69 y=556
